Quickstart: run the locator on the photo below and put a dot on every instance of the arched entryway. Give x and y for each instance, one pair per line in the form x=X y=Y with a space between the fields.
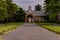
x=29 y=18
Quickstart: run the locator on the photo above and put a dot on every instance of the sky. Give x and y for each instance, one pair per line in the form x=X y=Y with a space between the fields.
x=26 y=3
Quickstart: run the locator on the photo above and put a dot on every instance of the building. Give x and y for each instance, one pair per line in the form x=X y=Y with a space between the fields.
x=34 y=16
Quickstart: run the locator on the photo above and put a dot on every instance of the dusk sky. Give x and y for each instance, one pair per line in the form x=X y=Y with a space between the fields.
x=25 y=3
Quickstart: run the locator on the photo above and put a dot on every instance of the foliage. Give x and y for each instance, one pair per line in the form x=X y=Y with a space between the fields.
x=10 y=12
x=53 y=7
x=20 y=15
x=11 y=9
x=3 y=10
x=38 y=7
x=52 y=17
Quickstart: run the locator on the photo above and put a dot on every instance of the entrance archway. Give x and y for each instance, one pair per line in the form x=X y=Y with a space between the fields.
x=30 y=18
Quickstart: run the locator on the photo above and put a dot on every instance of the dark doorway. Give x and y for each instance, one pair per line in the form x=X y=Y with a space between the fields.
x=30 y=18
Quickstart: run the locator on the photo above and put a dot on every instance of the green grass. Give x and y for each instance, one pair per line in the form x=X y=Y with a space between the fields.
x=51 y=27
x=8 y=26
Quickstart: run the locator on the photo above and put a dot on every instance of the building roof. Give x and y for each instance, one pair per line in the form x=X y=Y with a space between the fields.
x=37 y=13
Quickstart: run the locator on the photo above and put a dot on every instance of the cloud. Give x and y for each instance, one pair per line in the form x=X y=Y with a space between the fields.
x=25 y=3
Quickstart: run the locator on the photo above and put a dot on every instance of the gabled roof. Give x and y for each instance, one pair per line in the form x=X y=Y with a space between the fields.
x=37 y=13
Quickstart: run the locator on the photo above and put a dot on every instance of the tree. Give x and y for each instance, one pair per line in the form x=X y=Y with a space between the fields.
x=52 y=17
x=3 y=10
x=53 y=7
x=38 y=7
x=20 y=15
x=11 y=9
x=9 y=1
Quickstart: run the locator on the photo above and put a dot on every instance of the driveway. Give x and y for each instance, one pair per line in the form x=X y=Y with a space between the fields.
x=31 y=31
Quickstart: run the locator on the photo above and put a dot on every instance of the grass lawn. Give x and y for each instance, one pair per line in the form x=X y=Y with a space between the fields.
x=5 y=28
x=49 y=26
x=8 y=26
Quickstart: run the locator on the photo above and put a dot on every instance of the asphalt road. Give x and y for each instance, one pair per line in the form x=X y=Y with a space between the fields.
x=31 y=31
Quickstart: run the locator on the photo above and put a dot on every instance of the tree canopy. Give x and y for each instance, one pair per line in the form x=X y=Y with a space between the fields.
x=38 y=7
x=3 y=10
x=9 y=11
x=20 y=15
x=53 y=7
